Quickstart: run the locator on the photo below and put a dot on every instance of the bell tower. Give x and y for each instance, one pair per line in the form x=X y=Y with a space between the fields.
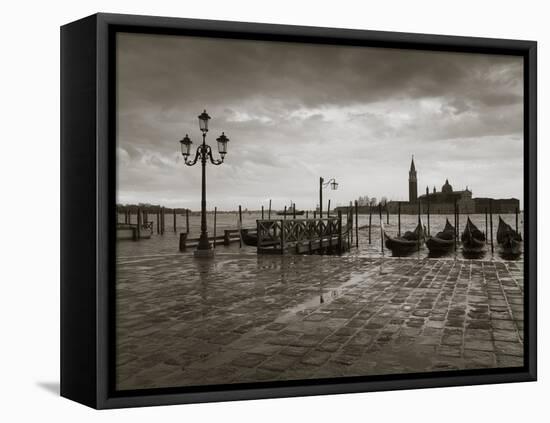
x=413 y=185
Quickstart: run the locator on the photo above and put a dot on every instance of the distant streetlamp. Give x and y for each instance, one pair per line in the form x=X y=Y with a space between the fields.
x=204 y=152
x=322 y=184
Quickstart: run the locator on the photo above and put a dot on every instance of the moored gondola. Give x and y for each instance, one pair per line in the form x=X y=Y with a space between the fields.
x=508 y=239
x=443 y=241
x=410 y=241
x=473 y=240
x=249 y=237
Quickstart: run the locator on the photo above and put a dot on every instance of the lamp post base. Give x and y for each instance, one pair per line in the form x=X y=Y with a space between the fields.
x=204 y=253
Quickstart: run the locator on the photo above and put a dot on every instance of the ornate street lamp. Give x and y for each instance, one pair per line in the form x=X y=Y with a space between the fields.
x=322 y=184
x=186 y=146
x=203 y=121
x=222 y=144
x=204 y=153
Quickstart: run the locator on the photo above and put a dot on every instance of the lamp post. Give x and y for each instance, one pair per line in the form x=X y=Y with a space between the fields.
x=322 y=184
x=204 y=152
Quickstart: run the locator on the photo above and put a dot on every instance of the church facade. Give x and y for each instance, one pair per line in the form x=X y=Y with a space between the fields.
x=443 y=201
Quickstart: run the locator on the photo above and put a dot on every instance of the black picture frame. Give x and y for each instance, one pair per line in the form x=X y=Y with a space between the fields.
x=88 y=206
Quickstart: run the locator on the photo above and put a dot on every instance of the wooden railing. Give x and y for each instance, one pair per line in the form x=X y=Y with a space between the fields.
x=229 y=236
x=302 y=235
x=134 y=231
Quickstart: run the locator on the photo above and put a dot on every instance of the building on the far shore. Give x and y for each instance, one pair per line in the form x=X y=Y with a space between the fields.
x=443 y=202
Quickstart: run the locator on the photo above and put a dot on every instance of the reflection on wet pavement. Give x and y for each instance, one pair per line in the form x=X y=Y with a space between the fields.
x=240 y=317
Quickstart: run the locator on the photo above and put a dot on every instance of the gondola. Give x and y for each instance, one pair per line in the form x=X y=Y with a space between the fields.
x=408 y=243
x=249 y=238
x=508 y=239
x=443 y=241
x=473 y=240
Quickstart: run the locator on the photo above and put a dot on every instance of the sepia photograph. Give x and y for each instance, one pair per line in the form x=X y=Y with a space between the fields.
x=304 y=211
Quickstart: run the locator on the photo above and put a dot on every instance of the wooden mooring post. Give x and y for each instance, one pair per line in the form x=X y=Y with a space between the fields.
x=456 y=229
x=428 y=217
x=329 y=238
x=294 y=210
x=307 y=214
x=262 y=212
x=381 y=227
x=284 y=216
x=321 y=198
x=387 y=213
x=370 y=222
x=215 y=213
x=138 y=223
x=456 y=223
x=486 y=226
x=419 y=222
x=458 y=219
x=491 y=225
x=158 y=221
x=356 y=223
x=399 y=218
x=315 y=214
x=162 y=220
x=187 y=221
x=240 y=227
x=269 y=211
x=350 y=223
x=174 y=214
x=339 y=232
x=328 y=209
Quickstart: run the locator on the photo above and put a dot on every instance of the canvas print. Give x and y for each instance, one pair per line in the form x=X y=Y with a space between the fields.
x=294 y=211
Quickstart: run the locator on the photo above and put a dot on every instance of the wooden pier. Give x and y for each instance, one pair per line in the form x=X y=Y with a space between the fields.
x=134 y=231
x=303 y=236
x=326 y=235
x=229 y=236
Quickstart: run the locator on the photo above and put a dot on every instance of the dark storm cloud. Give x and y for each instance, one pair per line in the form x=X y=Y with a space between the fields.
x=295 y=112
x=225 y=71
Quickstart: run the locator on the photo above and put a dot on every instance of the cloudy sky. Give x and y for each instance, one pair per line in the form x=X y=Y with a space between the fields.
x=294 y=112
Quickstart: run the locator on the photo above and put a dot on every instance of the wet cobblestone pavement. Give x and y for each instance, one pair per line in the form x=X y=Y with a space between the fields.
x=237 y=318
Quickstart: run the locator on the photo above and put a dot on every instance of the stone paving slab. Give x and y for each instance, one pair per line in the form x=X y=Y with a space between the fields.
x=234 y=319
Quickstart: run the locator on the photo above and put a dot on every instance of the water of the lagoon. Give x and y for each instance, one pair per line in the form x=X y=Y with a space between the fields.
x=169 y=242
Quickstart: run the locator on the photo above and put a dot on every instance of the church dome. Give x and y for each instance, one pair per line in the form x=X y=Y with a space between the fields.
x=447 y=188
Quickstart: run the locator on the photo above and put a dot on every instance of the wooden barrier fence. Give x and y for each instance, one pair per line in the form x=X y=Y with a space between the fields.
x=300 y=236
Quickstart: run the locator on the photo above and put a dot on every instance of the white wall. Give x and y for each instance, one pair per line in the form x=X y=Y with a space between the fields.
x=29 y=166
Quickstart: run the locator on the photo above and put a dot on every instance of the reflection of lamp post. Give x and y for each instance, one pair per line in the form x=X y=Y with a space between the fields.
x=322 y=184
x=204 y=152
